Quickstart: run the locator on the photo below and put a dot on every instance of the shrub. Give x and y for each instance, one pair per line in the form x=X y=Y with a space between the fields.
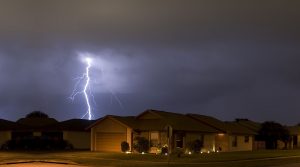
x=141 y=144
x=164 y=150
x=124 y=146
x=195 y=146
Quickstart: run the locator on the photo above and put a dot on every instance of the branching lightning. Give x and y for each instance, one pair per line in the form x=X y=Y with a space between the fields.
x=86 y=89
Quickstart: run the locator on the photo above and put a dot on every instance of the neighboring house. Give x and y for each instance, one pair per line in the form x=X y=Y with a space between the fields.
x=6 y=128
x=258 y=143
x=232 y=136
x=37 y=129
x=295 y=136
x=159 y=127
x=74 y=131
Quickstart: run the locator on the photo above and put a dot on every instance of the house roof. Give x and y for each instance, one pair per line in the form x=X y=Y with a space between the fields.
x=225 y=127
x=7 y=125
x=235 y=128
x=254 y=126
x=177 y=122
x=75 y=124
x=137 y=124
x=37 y=122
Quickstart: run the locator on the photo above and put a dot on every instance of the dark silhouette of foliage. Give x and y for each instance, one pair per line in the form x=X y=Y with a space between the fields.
x=164 y=150
x=36 y=143
x=141 y=144
x=124 y=146
x=270 y=132
x=195 y=146
x=37 y=114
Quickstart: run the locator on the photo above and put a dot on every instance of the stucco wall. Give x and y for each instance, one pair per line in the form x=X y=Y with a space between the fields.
x=79 y=140
x=222 y=142
x=241 y=144
x=109 y=125
x=4 y=136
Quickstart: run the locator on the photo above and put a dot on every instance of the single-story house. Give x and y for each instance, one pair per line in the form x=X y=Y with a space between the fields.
x=160 y=128
x=35 y=130
x=295 y=136
x=232 y=136
x=6 y=128
x=258 y=143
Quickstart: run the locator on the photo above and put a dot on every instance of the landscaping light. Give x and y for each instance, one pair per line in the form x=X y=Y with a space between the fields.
x=190 y=153
x=143 y=152
x=128 y=152
x=208 y=152
x=166 y=154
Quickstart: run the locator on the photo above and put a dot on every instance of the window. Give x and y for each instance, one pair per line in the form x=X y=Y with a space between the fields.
x=154 y=139
x=246 y=139
x=234 y=141
x=179 y=140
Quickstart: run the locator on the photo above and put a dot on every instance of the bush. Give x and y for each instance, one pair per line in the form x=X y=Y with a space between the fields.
x=195 y=146
x=124 y=146
x=164 y=150
x=141 y=144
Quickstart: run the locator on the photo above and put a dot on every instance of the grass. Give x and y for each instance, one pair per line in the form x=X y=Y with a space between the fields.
x=230 y=159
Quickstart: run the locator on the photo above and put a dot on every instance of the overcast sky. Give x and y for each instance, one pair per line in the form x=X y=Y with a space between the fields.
x=228 y=59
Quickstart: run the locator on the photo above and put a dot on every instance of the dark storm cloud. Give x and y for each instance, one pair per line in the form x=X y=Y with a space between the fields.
x=222 y=58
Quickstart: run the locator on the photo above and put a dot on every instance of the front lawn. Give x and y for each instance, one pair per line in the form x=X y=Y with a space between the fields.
x=230 y=159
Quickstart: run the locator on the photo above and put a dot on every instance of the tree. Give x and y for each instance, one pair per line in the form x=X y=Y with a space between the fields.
x=270 y=132
x=37 y=114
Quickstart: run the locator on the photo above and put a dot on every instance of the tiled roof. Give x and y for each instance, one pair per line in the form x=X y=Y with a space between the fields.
x=254 y=126
x=75 y=124
x=225 y=127
x=183 y=122
x=7 y=125
x=235 y=128
x=137 y=124
x=37 y=122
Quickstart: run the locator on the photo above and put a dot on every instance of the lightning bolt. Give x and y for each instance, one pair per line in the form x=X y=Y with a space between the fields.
x=86 y=89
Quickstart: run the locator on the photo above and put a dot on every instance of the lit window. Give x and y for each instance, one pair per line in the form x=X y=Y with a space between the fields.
x=179 y=140
x=154 y=139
